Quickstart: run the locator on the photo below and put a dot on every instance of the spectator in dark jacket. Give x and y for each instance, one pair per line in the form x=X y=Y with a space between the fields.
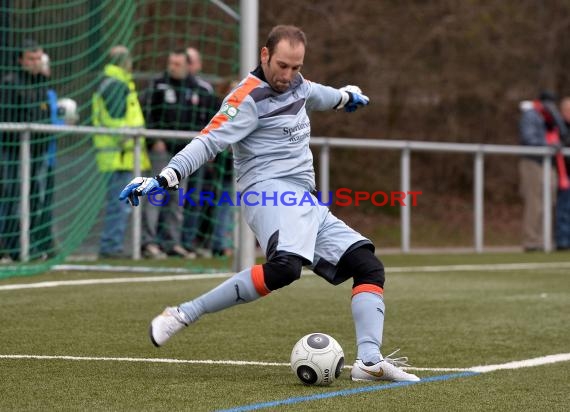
x=208 y=229
x=173 y=101
x=24 y=99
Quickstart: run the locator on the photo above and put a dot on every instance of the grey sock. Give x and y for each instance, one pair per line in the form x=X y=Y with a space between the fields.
x=368 y=314
x=236 y=290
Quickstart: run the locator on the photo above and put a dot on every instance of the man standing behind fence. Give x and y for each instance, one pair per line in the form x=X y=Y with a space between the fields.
x=115 y=104
x=539 y=119
x=174 y=101
x=562 y=227
x=24 y=99
x=207 y=227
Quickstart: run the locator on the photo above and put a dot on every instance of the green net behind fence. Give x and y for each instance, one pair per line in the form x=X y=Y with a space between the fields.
x=61 y=48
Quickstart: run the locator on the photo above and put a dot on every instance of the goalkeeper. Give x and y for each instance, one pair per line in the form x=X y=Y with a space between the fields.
x=265 y=120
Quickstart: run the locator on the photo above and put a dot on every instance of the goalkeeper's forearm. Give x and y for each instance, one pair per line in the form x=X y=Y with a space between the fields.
x=189 y=159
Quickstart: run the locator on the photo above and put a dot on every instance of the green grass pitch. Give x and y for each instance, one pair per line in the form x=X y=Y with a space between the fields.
x=447 y=319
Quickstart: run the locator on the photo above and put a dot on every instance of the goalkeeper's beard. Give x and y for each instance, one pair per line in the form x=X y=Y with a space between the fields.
x=281 y=85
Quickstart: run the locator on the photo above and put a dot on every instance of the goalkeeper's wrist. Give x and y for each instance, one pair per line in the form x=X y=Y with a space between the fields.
x=345 y=97
x=168 y=178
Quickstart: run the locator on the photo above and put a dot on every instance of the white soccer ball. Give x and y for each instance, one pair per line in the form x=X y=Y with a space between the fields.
x=67 y=110
x=317 y=359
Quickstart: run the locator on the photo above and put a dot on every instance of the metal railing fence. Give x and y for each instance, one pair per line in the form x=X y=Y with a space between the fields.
x=326 y=144
x=479 y=151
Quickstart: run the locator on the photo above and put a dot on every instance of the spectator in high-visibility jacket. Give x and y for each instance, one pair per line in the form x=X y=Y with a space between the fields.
x=115 y=104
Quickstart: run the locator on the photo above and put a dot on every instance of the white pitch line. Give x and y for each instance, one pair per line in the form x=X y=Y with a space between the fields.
x=407 y=269
x=527 y=363
x=55 y=283
x=413 y=368
x=147 y=360
x=117 y=268
x=191 y=361
x=472 y=268
x=187 y=361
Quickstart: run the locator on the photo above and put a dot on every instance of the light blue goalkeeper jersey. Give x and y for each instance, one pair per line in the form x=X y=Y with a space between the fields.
x=268 y=131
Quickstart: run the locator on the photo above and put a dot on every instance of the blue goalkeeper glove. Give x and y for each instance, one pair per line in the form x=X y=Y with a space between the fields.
x=142 y=186
x=352 y=98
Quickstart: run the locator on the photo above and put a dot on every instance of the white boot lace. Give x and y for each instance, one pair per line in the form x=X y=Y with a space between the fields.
x=399 y=362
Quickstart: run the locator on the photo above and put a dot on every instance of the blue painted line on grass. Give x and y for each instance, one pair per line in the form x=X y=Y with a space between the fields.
x=345 y=392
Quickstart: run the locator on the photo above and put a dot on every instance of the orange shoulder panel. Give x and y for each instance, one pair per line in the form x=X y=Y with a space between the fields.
x=234 y=99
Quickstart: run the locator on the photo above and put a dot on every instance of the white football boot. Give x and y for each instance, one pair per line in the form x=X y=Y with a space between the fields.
x=381 y=371
x=165 y=325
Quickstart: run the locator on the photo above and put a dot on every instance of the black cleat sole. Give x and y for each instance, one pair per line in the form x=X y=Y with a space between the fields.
x=151 y=338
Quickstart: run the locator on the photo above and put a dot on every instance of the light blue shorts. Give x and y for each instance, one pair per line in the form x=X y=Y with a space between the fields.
x=289 y=219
